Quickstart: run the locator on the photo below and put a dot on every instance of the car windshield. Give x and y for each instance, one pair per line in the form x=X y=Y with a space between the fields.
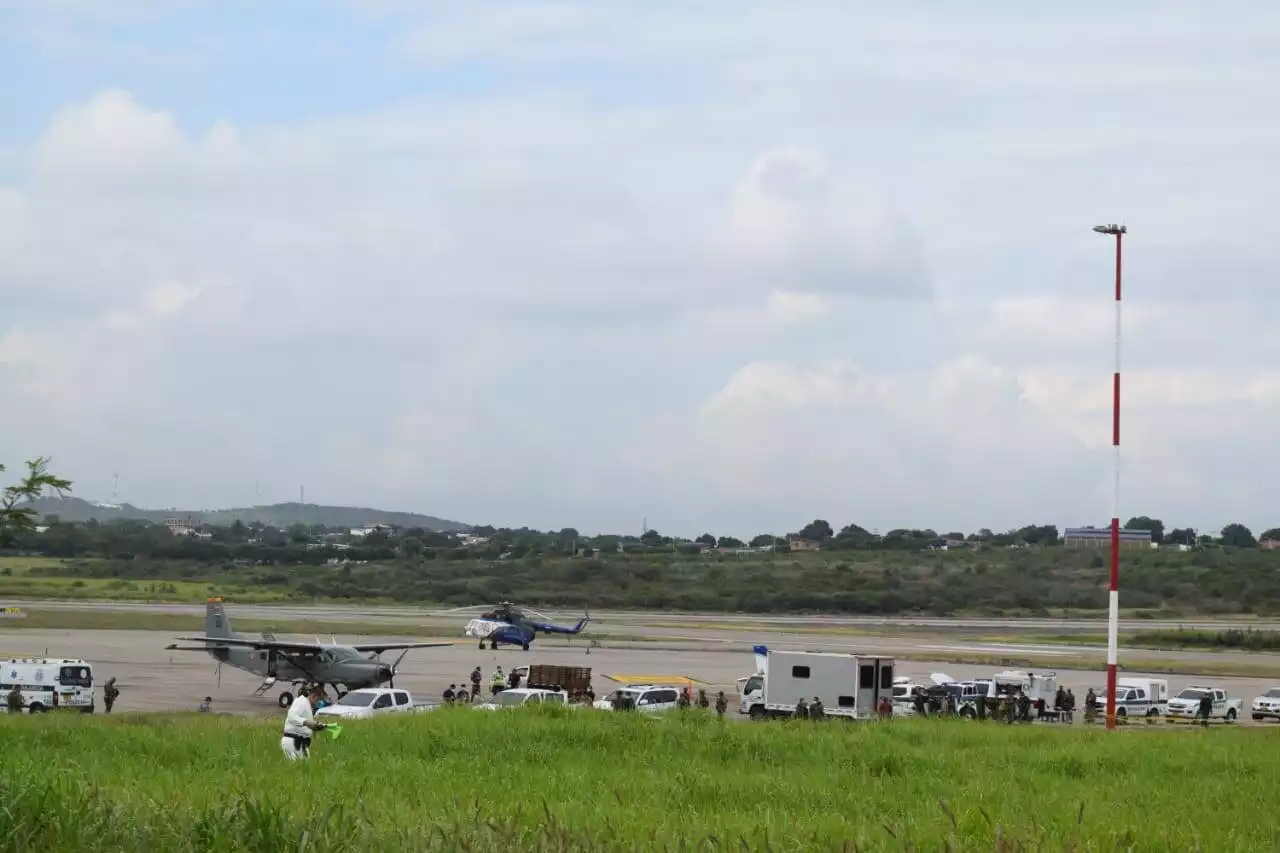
x=509 y=698
x=357 y=700
x=1192 y=694
x=1273 y=693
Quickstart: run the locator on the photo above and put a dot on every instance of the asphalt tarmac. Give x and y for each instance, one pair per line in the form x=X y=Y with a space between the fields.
x=677 y=631
x=372 y=615
x=153 y=679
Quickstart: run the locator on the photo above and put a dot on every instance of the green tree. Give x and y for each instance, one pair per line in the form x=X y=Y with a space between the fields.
x=764 y=540
x=729 y=542
x=1238 y=536
x=1142 y=522
x=16 y=520
x=817 y=529
x=709 y=540
x=1182 y=536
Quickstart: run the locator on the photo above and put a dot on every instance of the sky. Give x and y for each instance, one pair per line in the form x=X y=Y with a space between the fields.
x=710 y=266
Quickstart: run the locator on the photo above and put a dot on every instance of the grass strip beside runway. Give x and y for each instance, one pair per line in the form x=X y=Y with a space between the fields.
x=577 y=779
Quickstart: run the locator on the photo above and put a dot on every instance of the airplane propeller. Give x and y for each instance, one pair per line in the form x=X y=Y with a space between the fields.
x=395 y=666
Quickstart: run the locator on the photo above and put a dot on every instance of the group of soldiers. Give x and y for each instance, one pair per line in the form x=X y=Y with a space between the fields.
x=1008 y=707
x=497 y=683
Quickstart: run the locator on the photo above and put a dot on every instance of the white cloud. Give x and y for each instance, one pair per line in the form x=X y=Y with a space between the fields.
x=720 y=271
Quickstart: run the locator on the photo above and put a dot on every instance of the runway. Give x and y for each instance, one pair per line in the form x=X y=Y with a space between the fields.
x=361 y=613
x=153 y=679
x=670 y=633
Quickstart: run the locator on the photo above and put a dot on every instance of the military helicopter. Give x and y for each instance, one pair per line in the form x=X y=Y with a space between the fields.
x=513 y=625
x=343 y=667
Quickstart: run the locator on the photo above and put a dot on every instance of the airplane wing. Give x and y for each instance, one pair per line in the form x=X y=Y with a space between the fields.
x=386 y=647
x=252 y=644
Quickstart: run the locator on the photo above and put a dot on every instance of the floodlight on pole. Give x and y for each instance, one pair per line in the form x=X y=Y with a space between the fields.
x=1113 y=615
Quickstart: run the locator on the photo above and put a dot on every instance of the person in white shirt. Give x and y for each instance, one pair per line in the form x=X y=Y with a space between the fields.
x=300 y=723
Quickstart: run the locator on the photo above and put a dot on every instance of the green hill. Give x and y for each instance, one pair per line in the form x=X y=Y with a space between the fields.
x=276 y=515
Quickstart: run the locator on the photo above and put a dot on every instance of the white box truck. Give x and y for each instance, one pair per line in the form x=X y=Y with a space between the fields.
x=849 y=686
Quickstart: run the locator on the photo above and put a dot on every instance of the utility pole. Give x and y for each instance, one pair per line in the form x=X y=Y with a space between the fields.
x=1113 y=615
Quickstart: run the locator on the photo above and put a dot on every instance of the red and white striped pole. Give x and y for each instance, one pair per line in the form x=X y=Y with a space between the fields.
x=1113 y=616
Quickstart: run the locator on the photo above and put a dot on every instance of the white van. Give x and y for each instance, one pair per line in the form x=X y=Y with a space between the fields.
x=47 y=684
x=1141 y=697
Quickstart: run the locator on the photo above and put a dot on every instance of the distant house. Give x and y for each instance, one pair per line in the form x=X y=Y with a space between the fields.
x=1269 y=544
x=180 y=526
x=1100 y=537
x=371 y=528
x=799 y=543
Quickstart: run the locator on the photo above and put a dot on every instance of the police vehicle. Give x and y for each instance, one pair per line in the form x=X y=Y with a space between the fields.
x=47 y=684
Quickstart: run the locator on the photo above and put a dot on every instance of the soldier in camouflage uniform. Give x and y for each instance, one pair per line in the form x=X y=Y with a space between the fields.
x=721 y=704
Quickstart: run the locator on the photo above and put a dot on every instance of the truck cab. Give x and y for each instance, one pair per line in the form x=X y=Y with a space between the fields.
x=1186 y=705
x=849 y=686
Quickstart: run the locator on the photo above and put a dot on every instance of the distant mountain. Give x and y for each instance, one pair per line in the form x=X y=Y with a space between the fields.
x=276 y=515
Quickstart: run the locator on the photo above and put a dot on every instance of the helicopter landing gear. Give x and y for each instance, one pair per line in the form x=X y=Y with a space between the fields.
x=285 y=700
x=525 y=646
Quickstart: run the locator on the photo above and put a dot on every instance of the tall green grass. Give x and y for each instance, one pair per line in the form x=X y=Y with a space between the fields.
x=580 y=780
x=1230 y=638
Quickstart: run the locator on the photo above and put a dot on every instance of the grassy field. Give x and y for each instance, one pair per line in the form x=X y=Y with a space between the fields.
x=582 y=780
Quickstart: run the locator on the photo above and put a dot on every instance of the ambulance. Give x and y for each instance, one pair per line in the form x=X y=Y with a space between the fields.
x=48 y=684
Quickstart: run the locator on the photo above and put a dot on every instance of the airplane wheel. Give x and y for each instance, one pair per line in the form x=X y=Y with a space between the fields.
x=285 y=700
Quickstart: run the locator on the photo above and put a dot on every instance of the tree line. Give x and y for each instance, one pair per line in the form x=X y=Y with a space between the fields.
x=316 y=544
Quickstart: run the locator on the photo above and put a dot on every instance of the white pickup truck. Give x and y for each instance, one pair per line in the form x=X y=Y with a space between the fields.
x=373 y=702
x=1186 y=705
x=519 y=696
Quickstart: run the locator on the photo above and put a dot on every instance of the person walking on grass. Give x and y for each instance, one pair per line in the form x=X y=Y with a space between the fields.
x=498 y=682
x=703 y=701
x=14 y=700
x=721 y=704
x=1206 y=707
x=476 y=675
x=300 y=723
x=816 y=711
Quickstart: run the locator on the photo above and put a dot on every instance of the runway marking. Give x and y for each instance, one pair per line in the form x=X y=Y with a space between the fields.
x=1002 y=649
x=654 y=679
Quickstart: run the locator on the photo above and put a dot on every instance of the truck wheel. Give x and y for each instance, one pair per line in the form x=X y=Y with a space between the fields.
x=1231 y=715
x=756 y=712
x=968 y=713
x=285 y=700
x=1257 y=717
x=37 y=708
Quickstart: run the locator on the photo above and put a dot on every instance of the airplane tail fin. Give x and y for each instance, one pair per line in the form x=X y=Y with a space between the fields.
x=216 y=623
